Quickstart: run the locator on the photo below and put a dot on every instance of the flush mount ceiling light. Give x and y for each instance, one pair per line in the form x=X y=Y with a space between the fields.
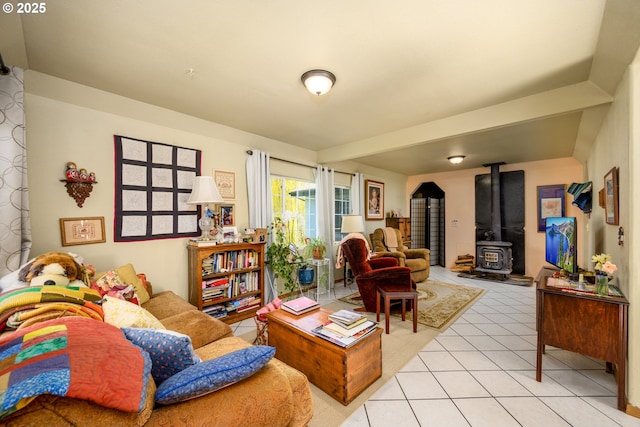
x=318 y=82
x=456 y=159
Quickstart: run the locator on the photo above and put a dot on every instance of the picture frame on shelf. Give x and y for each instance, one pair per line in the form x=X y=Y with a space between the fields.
x=229 y=234
x=374 y=193
x=227 y=215
x=611 y=196
x=551 y=203
x=82 y=231
x=226 y=182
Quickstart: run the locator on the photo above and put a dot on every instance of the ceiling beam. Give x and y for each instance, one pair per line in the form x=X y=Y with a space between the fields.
x=564 y=100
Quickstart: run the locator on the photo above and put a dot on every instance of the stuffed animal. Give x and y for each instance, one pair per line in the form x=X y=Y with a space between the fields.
x=52 y=268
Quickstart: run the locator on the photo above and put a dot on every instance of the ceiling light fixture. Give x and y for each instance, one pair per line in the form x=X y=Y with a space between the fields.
x=456 y=159
x=318 y=82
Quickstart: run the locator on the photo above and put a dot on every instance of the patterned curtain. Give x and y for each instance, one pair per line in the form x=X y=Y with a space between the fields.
x=15 y=228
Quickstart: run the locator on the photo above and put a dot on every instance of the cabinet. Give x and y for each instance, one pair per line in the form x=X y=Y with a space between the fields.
x=404 y=225
x=227 y=281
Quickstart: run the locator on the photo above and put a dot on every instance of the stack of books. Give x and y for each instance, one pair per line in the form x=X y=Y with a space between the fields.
x=300 y=305
x=345 y=328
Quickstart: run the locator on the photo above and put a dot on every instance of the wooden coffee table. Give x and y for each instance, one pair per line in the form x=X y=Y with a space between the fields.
x=342 y=373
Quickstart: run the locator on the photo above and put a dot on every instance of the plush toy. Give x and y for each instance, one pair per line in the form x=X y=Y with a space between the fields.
x=52 y=268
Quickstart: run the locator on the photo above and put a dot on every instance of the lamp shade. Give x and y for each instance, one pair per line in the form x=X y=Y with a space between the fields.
x=204 y=191
x=352 y=224
x=318 y=82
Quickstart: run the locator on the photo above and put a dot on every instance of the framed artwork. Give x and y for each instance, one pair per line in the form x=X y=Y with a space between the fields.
x=611 y=196
x=226 y=182
x=226 y=215
x=82 y=231
x=374 y=192
x=551 y=203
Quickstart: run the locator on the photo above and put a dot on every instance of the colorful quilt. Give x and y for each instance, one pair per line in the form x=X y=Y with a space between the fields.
x=74 y=357
x=29 y=305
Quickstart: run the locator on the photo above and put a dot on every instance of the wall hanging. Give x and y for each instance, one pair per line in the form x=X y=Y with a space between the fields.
x=152 y=185
x=611 y=196
x=79 y=183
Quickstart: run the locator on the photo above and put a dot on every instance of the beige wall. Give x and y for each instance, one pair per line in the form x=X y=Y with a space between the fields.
x=70 y=122
x=459 y=188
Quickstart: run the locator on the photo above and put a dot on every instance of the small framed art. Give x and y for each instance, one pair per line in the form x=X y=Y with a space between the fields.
x=227 y=215
x=82 y=231
x=226 y=182
x=611 y=196
x=374 y=192
x=551 y=203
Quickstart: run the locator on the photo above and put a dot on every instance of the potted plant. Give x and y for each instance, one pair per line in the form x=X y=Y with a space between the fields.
x=280 y=258
x=318 y=248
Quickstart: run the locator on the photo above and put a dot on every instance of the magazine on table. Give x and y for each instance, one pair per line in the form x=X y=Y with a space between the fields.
x=300 y=305
x=347 y=318
x=351 y=331
x=341 y=340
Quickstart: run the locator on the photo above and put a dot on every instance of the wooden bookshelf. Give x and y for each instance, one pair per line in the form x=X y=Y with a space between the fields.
x=224 y=276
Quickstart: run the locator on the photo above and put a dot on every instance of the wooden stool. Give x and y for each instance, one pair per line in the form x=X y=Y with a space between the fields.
x=392 y=294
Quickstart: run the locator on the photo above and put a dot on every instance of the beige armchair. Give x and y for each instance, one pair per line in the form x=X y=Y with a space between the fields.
x=418 y=260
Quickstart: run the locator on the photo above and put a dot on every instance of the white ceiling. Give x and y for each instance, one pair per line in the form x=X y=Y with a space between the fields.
x=417 y=80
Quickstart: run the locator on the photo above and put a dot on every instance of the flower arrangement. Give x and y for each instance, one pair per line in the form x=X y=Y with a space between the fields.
x=603 y=264
x=604 y=267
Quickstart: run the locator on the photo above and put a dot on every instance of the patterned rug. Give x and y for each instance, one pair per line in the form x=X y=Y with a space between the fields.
x=439 y=304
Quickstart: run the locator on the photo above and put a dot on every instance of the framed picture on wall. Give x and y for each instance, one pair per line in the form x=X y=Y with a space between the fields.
x=551 y=203
x=611 y=196
x=82 y=231
x=226 y=182
x=374 y=192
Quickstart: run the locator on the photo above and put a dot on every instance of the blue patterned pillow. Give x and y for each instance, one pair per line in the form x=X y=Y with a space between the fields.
x=170 y=352
x=212 y=375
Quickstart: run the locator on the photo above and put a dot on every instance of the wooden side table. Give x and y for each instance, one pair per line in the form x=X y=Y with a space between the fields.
x=584 y=323
x=391 y=294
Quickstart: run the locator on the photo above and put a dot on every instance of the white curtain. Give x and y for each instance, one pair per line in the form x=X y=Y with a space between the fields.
x=325 y=200
x=15 y=227
x=357 y=190
x=260 y=210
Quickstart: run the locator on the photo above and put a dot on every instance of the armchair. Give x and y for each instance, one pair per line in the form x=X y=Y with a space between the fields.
x=369 y=274
x=418 y=260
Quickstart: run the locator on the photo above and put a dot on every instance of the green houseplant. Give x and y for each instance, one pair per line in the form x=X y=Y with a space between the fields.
x=280 y=258
x=318 y=247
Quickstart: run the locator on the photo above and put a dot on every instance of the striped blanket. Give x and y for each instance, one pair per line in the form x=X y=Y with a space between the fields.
x=29 y=305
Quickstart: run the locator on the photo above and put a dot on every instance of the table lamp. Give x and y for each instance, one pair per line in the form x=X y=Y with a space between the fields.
x=204 y=191
x=352 y=224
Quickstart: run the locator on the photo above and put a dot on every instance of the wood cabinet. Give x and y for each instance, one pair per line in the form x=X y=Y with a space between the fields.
x=404 y=225
x=584 y=323
x=226 y=281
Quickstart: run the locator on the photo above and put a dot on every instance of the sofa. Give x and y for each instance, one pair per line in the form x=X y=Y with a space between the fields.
x=418 y=260
x=275 y=395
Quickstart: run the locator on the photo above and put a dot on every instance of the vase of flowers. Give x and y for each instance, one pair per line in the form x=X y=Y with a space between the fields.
x=604 y=268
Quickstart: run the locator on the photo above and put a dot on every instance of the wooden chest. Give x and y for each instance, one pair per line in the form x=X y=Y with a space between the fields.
x=342 y=373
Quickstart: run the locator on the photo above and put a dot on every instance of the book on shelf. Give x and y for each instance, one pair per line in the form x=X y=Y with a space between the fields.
x=202 y=243
x=300 y=305
x=342 y=340
x=347 y=318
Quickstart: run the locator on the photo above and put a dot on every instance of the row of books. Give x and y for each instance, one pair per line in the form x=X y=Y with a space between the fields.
x=240 y=305
x=230 y=286
x=221 y=262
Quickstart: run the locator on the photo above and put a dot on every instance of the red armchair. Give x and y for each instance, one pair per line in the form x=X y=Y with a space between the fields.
x=371 y=273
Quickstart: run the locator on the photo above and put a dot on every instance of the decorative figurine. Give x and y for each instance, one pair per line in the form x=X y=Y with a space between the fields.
x=92 y=177
x=84 y=176
x=72 y=171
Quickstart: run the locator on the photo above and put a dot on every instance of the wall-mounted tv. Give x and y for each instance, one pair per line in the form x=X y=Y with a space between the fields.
x=561 y=243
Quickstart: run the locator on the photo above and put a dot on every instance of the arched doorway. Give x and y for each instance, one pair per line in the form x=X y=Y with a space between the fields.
x=427 y=221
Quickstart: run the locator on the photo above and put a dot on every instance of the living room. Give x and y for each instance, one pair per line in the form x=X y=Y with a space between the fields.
x=71 y=121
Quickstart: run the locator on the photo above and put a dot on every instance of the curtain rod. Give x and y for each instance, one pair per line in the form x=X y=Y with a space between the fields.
x=301 y=164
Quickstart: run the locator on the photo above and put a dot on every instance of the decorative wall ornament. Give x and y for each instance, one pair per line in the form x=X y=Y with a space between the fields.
x=153 y=182
x=226 y=182
x=374 y=192
x=82 y=231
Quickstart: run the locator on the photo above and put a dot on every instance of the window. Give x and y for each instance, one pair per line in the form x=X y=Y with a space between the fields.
x=294 y=201
x=342 y=207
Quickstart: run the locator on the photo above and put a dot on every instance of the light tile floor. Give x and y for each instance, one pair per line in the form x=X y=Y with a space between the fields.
x=481 y=372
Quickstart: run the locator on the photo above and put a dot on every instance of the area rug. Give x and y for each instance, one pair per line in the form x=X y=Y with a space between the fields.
x=439 y=304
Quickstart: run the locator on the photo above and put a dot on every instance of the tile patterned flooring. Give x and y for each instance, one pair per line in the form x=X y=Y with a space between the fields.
x=481 y=372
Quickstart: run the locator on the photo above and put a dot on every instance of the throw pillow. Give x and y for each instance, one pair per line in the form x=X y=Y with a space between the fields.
x=124 y=314
x=214 y=374
x=111 y=284
x=170 y=351
x=128 y=276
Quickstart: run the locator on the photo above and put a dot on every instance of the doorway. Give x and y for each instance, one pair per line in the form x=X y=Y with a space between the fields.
x=427 y=221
